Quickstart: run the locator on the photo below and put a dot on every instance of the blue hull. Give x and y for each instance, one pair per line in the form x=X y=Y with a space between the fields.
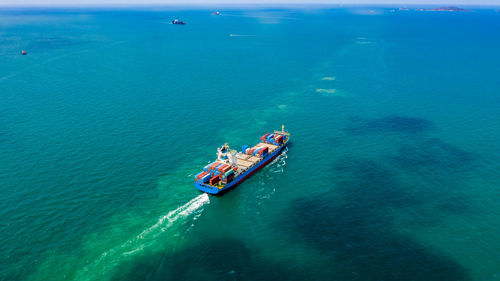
x=214 y=190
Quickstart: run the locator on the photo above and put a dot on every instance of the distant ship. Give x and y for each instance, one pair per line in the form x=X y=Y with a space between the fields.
x=216 y=13
x=232 y=167
x=176 y=21
x=23 y=52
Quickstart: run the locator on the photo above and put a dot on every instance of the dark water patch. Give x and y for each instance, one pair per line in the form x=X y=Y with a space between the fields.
x=367 y=183
x=371 y=184
x=355 y=225
x=389 y=124
x=215 y=259
x=434 y=153
x=363 y=246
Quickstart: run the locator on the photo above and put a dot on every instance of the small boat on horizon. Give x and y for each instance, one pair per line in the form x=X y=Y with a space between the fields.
x=23 y=52
x=216 y=13
x=177 y=21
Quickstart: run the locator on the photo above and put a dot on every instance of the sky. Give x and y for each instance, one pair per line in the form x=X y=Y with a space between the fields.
x=209 y=2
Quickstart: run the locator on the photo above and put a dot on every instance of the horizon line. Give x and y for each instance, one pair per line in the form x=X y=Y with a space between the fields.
x=226 y=4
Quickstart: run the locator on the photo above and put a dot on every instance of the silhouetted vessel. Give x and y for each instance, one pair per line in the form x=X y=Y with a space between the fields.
x=23 y=52
x=176 y=21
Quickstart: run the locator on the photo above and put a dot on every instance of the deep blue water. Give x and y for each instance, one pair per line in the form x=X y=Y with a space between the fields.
x=393 y=172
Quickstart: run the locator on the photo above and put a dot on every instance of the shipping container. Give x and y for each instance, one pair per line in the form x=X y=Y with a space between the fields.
x=244 y=148
x=263 y=151
x=256 y=151
x=206 y=178
x=207 y=168
x=230 y=178
x=227 y=168
x=220 y=168
x=214 y=180
x=214 y=165
x=263 y=138
x=230 y=172
x=201 y=175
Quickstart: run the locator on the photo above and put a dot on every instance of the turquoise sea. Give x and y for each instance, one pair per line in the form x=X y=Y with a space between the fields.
x=393 y=172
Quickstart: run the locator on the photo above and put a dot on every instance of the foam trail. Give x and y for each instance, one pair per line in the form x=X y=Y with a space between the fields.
x=281 y=159
x=328 y=78
x=241 y=35
x=143 y=240
x=276 y=166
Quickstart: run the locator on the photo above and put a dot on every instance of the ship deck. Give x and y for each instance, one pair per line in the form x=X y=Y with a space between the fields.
x=244 y=162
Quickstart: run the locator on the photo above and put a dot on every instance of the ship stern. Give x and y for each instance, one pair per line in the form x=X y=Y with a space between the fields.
x=207 y=188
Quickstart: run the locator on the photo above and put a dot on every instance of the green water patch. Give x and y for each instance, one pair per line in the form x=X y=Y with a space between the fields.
x=224 y=258
x=161 y=236
x=155 y=226
x=227 y=241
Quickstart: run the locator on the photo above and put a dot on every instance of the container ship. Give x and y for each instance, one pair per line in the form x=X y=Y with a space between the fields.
x=180 y=22
x=232 y=167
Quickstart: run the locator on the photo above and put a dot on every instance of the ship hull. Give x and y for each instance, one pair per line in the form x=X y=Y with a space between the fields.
x=214 y=190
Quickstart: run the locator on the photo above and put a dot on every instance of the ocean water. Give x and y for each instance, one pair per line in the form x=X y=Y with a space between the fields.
x=393 y=172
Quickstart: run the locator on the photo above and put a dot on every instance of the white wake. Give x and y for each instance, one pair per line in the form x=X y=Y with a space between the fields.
x=144 y=240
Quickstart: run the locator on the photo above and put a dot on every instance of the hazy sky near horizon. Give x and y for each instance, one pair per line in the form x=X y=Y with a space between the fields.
x=209 y=2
